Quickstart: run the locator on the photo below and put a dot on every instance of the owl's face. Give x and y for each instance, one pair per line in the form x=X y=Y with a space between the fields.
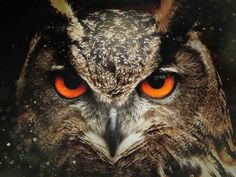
x=100 y=93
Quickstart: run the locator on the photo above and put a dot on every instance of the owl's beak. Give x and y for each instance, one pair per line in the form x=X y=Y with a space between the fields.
x=113 y=131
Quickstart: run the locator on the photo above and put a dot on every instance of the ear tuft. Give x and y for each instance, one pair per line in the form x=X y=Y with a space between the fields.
x=63 y=7
x=164 y=13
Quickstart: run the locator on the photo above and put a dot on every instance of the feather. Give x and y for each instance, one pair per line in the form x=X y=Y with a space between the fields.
x=63 y=7
x=164 y=13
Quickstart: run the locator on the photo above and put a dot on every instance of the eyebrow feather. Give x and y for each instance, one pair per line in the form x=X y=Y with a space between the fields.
x=57 y=67
x=170 y=69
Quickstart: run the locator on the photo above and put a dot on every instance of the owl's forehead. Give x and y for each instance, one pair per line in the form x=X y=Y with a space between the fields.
x=124 y=35
x=119 y=49
x=116 y=23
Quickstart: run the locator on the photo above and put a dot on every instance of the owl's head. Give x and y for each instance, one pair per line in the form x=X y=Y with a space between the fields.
x=109 y=87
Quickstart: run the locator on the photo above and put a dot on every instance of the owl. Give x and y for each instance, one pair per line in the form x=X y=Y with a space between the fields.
x=108 y=93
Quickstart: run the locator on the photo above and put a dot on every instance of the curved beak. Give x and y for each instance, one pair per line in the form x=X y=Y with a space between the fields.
x=113 y=135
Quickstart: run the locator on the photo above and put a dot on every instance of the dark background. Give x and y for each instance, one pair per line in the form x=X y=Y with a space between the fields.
x=21 y=19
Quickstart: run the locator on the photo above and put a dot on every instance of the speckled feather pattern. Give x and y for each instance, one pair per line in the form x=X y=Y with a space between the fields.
x=115 y=39
x=187 y=134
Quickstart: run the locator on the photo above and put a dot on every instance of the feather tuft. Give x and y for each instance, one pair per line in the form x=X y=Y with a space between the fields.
x=63 y=7
x=164 y=13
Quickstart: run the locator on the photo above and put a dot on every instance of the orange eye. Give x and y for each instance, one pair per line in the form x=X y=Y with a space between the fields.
x=158 y=86
x=69 y=88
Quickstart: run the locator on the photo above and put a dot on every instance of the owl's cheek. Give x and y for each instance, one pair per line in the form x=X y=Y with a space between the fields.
x=26 y=118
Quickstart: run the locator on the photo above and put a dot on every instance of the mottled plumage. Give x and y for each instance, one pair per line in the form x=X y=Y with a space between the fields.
x=187 y=133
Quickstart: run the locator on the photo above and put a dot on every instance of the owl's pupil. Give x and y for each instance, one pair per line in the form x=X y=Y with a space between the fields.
x=157 y=81
x=71 y=83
